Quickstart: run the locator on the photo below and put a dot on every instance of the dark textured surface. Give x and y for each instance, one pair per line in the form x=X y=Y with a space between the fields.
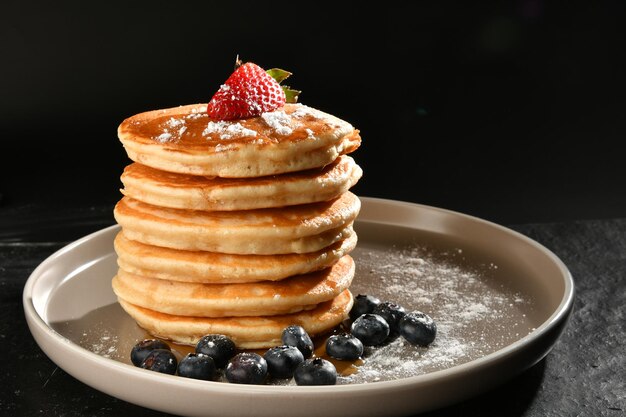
x=582 y=376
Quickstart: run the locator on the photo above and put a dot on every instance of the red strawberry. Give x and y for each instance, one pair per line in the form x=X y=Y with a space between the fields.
x=248 y=92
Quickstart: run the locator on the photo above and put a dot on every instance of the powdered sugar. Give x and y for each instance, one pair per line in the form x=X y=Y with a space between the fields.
x=164 y=137
x=392 y=359
x=196 y=123
x=220 y=147
x=105 y=345
x=174 y=123
x=279 y=121
x=173 y=128
x=303 y=111
x=474 y=315
x=227 y=130
x=197 y=113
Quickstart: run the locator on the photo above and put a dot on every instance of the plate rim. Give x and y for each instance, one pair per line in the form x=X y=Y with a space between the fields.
x=559 y=317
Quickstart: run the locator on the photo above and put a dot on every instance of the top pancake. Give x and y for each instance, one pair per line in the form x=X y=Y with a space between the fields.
x=186 y=140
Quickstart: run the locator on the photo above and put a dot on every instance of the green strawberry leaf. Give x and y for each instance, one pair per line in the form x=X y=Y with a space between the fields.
x=291 y=96
x=278 y=74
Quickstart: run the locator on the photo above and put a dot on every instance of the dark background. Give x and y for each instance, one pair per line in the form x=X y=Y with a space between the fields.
x=510 y=111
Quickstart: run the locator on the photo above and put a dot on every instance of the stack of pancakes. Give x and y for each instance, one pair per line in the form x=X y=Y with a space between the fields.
x=236 y=227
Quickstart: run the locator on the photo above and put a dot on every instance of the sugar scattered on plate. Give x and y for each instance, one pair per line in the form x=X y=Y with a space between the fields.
x=105 y=345
x=474 y=315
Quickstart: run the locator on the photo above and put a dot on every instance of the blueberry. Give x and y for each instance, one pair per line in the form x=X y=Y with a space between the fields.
x=221 y=348
x=140 y=350
x=392 y=313
x=344 y=346
x=296 y=336
x=246 y=368
x=160 y=360
x=363 y=304
x=197 y=366
x=316 y=371
x=282 y=361
x=370 y=329
x=418 y=328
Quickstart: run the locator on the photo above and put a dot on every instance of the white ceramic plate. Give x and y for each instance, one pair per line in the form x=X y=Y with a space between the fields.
x=500 y=300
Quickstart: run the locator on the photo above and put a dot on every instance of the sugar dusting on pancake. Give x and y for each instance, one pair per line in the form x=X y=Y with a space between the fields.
x=236 y=149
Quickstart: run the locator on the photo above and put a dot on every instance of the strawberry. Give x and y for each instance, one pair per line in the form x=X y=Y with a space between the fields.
x=250 y=91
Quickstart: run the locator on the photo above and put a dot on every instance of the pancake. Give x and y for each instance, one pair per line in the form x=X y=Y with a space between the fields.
x=295 y=229
x=196 y=192
x=297 y=293
x=185 y=140
x=246 y=332
x=211 y=267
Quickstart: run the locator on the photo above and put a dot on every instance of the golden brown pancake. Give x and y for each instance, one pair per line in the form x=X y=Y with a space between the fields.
x=246 y=332
x=211 y=267
x=295 y=229
x=185 y=140
x=196 y=192
x=297 y=293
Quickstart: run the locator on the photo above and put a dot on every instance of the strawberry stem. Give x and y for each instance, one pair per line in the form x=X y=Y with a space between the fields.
x=238 y=62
